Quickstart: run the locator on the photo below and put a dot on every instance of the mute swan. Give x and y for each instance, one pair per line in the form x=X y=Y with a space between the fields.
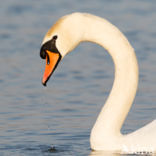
x=62 y=38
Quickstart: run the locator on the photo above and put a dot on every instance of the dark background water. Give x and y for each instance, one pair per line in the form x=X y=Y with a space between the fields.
x=33 y=119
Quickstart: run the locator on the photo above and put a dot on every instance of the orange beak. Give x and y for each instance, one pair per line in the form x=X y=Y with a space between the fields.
x=52 y=60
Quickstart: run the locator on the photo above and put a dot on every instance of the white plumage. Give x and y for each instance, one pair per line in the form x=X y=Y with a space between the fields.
x=105 y=135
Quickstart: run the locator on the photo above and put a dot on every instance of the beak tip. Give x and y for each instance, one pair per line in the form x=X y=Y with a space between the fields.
x=44 y=84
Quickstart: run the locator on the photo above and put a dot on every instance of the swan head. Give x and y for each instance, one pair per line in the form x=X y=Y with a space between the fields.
x=61 y=38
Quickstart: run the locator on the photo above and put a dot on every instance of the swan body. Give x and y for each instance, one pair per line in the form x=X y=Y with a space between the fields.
x=62 y=38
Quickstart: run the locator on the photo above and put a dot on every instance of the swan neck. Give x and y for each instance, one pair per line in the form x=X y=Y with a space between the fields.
x=124 y=88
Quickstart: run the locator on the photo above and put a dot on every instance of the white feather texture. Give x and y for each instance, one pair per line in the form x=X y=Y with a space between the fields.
x=105 y=135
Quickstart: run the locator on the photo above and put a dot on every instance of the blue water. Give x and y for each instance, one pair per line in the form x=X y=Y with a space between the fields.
x=57 y=120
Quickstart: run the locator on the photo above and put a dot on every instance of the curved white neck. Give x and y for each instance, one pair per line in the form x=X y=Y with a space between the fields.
x=116 y=108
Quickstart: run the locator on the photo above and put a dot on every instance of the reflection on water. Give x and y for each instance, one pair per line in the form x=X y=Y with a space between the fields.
x=34 y=119
x=101 y=153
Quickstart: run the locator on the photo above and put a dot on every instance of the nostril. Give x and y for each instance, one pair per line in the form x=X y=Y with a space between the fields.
x=48 y=60
x=42 y=54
